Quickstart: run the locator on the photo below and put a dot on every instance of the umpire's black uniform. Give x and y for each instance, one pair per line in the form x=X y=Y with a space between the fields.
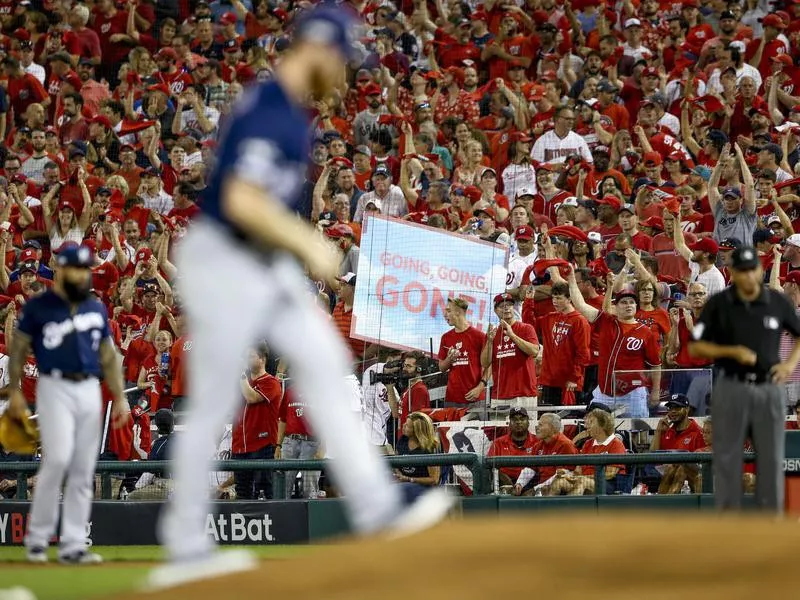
x=740 y=328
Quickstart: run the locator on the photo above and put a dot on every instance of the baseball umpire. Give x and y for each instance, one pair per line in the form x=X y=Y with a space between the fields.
x=740 y=330
x=69 y=335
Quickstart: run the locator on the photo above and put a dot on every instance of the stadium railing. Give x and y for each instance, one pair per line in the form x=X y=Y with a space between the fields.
x=481 y=467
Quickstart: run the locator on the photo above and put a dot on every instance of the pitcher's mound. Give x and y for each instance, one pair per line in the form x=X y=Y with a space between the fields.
x=558 y=555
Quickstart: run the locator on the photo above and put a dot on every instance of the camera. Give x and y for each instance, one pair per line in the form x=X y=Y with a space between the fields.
x=391 y=375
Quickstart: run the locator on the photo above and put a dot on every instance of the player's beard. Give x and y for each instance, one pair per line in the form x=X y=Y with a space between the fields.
x=77 y=292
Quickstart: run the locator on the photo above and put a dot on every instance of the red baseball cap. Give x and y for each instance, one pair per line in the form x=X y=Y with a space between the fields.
x=611 y=201
x=783 y=59
x=487 y=210
x=228 y=18
x=167 y=53
x=520 y=136
x=649 y=72
x=473 y=193
x=28 y=254
x=773 y=20
x=500 y=298
x=654 y=222
x=371 y=89
x=705 y=245
x=653 y=157
x=524 y=233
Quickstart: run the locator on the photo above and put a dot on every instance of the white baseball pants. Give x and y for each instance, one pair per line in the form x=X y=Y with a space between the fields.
x=233 y=297
x=70 y=424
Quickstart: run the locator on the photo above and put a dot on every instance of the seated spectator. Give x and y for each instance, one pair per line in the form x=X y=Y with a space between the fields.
x=157 y=485
x=551 y=441
x=678 y=433
x=519 y=441
x=794 y=425
x=419 y=437
x=600 y=426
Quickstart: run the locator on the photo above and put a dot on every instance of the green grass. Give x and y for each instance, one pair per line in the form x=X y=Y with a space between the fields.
x=56 y=582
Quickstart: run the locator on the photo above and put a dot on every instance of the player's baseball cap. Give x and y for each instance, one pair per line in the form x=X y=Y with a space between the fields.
x=744 y=258
x=678 y=400
x=73 y=255
x=330 y=26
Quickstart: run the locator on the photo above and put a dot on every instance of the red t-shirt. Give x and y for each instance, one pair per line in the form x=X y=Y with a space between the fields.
x=177 y=366
x=465 y=372
x=24 y=91
x=105 y=28
x=152 y=369
x=657 y=320
x=565 y=341
x=683 y=358
x=669 y=261
x=688 y=440
x=513 y=371
x=292 y=412
x=505 y=446
x=560 y=444
x=413 y=399
x=257 y=424
x=614 y=447
x=630 y=347
x=138 y=351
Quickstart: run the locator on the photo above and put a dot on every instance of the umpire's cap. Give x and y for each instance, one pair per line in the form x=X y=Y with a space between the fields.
x=329 y=25
x=73 y=255
x=744 y=258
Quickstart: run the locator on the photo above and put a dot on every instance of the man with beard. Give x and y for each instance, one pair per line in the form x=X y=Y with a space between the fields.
x=390 y=196
x=733 y=216
x=366 y=122
x=33 y=166
x=607 y=209
x=702 y=259
x=346 y=185
x=455 y=49
x=519 y=441
x=509 y=46
x=676 y=432
x=92 y=91
x=73 y=126
x=593 y=67
x=69 y=335
x=177 y=80
x=510 y=351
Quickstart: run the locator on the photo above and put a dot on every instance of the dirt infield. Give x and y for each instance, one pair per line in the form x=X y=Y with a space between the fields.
x=561 y=555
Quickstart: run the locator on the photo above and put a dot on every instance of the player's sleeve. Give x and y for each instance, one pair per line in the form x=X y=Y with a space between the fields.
x=106 y=330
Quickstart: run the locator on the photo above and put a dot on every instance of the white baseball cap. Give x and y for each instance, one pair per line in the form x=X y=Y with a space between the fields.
x=773 y=219
x=595 y=237
x=794 y=240
x=525 y=191
x=633 y=23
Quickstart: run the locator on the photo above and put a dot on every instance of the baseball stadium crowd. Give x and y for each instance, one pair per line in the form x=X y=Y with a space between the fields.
x=621 y=151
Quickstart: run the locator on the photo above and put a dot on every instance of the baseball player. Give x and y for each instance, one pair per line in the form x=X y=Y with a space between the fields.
x=71 y=340
x=242 y=275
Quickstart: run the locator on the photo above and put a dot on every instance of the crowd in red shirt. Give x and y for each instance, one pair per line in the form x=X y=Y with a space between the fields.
x=620 y=154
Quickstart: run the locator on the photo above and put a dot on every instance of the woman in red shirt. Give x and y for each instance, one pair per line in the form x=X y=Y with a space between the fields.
x=600 y=427
x=154 y=372
x=650 y=313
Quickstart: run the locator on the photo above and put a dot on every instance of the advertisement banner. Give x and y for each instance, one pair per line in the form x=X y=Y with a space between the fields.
x=406 y=274
x=118 y=523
